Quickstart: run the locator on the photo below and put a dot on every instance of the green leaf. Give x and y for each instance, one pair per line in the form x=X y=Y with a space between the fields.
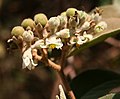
x=117 y=96
x=108 y=96
x=90 y=79
x=111 y=96
x=101 y=90
x=113 y=29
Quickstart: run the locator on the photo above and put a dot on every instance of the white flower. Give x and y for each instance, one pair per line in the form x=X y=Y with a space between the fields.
x=62 y=93
x=54 y=42
x=85 y=26
x=88 y=36
x=28 y=36
x=65 y=33
x=83 y=39
x=27 y=60
x=97 y=17
x=54 y=22
x=39 y=44
x=100 y=27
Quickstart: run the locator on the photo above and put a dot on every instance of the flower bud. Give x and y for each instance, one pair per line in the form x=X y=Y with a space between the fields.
x=100 y=27
x=17 y=31
x=28 y=23
x=63 y=20
x=73 y=21
x=70 y=12
x=54 y=22
x=82 y=14
x=97 y=17
x=28 y=36
x=65 y=33
x=41 y=18
x=63 y=14
x=85 y=26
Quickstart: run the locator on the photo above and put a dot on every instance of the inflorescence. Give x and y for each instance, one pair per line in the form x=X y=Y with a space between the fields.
x=71 y=28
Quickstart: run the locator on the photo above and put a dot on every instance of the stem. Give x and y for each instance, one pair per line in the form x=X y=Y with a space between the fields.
x=50 y=63
x=66 y=85
x=60 y=71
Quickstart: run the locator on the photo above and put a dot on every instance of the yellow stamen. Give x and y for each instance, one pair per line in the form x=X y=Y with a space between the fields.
x=52 y=46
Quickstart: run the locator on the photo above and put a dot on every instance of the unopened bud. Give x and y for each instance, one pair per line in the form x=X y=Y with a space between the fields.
x=41 y=18
x=82 y=14
x=63 y=14
x=70 y=12
x=63 y=20
x=28 y=36
x=97 y=17
x=26 y=23
x=65 y=33
x=54 y=22
x=17 y=31
x=85 y=26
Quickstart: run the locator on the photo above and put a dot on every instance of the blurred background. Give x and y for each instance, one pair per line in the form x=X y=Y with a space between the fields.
x=42 y=82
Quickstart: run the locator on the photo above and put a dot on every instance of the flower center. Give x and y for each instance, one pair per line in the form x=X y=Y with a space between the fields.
x=52 y=46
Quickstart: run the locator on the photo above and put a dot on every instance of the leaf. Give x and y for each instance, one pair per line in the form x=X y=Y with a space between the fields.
x=113 y=29
x=111 y=96
x=117 y=96
x=108 y=96
x=101 y=90
x=108 y=9
x=90 y=79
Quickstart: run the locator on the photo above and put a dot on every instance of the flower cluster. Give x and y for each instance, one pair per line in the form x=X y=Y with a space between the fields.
x=71 y=28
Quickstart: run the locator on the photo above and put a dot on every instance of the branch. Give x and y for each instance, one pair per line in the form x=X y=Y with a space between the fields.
x=50 y=63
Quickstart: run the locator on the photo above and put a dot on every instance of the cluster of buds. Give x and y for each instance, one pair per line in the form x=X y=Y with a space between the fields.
x=71 y=28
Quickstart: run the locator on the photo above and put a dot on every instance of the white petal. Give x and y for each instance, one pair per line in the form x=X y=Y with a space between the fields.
x=96 y=17
x=62 y=93
x=57 y=97
x=39 y=44
x=33 y=63
x=88 y=36
x=26 y=61
x=100 y=27
x=29 y=66
x=23 y=65
x=54 y=41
